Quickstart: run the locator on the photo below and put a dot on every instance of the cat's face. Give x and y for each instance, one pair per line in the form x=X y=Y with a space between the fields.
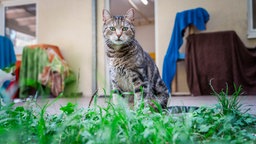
x=118 y=30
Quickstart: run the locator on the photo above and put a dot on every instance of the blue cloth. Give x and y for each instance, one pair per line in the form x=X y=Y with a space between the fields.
x=7 y=54
x=197 y=17
x=6 y=84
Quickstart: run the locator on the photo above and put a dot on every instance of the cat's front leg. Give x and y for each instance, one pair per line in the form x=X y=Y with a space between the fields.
x=115 y=92
x=141 y=91
x=115 y=97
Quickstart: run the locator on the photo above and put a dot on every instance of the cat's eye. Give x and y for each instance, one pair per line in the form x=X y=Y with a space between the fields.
x=112 y=28
x=125 y=28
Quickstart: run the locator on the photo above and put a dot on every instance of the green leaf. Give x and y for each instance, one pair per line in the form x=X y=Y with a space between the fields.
x=204 y=128
x=69 y=108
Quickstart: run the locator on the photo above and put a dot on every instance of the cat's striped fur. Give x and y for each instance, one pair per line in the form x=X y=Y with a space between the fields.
x=130 y=67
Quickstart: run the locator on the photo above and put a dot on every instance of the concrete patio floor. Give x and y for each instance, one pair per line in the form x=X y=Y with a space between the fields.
x=247 y=101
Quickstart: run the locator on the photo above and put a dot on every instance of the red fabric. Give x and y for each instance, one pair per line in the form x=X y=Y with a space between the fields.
x=15 y=83
x=46 y=46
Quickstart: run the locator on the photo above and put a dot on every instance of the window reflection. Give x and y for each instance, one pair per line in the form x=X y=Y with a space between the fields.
x=254 y=13
x=20 y=25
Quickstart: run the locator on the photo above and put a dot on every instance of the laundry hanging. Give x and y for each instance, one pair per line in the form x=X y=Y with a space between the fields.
x=197 y=17
x=8 y=85
x=7 y=54
x=44 y=65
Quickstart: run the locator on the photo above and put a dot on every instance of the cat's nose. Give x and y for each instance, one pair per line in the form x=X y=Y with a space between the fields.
x=118 y=36
x=118 y=33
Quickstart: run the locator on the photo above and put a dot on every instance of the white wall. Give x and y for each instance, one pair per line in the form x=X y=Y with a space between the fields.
x=103 y=82
x=145 y=35
x=67 y=24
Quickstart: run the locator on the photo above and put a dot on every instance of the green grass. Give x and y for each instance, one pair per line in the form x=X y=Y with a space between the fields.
x=223 y=123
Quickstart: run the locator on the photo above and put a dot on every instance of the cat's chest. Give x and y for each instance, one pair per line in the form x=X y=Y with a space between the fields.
x=123 y=78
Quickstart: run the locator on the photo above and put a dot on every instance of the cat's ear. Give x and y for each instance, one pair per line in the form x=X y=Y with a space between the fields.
x=130 y=15
x=106 y=15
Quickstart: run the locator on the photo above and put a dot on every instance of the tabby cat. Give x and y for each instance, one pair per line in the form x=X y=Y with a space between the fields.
x=131 y=68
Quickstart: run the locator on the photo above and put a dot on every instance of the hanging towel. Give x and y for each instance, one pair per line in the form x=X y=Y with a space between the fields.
x=33 y=63
x=7 y=55
x=197 y=17
x=222 y=59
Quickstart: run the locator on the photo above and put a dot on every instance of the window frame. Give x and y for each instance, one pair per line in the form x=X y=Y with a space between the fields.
x=251 y=31
x=4 y=4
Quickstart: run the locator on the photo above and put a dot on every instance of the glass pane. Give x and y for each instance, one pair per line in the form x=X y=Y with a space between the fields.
x=254 y=13
x=20 y=25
